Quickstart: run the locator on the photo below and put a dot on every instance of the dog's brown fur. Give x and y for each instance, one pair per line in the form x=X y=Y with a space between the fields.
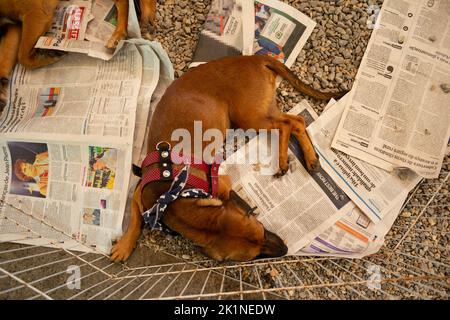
x=22 y=22
x=231 y=92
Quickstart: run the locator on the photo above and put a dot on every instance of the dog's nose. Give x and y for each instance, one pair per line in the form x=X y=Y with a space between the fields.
x=273 y=246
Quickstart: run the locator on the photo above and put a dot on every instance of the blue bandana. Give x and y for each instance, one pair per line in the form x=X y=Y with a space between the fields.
x=154 y=214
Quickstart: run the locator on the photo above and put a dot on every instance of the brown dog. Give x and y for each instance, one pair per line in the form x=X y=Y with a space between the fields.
x=235 y=91
x=22 y=22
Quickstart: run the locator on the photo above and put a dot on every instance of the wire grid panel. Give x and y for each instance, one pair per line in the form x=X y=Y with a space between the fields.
x=413 y=264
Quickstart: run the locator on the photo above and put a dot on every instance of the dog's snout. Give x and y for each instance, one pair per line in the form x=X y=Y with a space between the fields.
x=273 y=246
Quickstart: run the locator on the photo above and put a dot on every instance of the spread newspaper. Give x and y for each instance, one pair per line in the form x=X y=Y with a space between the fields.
x=85 y=26
x=222 y=32
x=67 y=141
x=374 y=190
x=275 y=29
x=266 y=27
x=398 y=113
x=297 y=206
x=311 y=213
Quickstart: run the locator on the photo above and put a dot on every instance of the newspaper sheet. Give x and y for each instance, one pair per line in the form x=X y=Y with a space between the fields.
x=297 y=206
x=276 y=29
x=353 y=236
x=398 y=114
x=70 y=20
x=143 y=120
x=268 y=27
x=67 y=141
x=104 y=21
x=374 y=190
x=222 y=32
x=94 y=21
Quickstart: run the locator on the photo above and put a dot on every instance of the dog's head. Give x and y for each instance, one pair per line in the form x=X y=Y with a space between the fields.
x=226 y=230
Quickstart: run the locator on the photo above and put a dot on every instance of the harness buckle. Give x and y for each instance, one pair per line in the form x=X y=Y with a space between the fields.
x=166 y=147
x=165 y=161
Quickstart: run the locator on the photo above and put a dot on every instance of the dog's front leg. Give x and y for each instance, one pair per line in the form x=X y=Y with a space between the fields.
x=224 y=189
x=123 y=248
x=122 y=24
x=9 y=48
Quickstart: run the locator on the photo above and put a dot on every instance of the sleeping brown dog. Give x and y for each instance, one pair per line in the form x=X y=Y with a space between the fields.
x=22 y=22
x=232 y=92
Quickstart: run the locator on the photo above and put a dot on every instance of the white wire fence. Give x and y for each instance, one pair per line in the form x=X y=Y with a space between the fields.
x=413 y=264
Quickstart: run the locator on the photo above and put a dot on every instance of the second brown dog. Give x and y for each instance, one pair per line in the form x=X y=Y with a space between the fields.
x=22 y=22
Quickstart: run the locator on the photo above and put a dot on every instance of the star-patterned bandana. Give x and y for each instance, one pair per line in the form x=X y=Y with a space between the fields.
x=154 y=214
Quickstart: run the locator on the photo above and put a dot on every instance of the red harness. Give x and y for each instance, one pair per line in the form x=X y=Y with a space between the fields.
x=165 y=171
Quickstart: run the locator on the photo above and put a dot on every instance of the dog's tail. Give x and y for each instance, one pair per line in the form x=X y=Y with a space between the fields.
x=287 y=74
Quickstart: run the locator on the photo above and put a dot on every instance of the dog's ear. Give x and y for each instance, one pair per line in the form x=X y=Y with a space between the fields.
x=213 y=202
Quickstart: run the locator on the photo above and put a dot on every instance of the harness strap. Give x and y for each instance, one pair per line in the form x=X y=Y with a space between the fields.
x=164 y=172
x=154 y=175
x=153 y=158
x=154 y=214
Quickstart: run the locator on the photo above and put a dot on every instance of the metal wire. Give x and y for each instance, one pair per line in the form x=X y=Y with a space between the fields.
x=409 y=267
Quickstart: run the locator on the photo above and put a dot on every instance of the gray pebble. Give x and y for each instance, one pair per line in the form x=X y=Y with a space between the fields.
x=338 y=60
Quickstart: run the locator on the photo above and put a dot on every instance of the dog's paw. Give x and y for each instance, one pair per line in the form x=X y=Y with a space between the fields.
x=2 y=105
x=147 y=30
x=3 y=93
x=115 y=39
x=122 y=250
x=313 y=166
x=284 y=168
x=56 y=54
x=282 y=171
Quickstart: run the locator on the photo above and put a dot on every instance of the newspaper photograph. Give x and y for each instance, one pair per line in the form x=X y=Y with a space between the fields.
x=275 y=29
x=69 y=182
x=297 y=207
x=374 y=190
x=353 y=236
x=222 y=32
x=85 y=26
x=397 y=115
x=70 y=20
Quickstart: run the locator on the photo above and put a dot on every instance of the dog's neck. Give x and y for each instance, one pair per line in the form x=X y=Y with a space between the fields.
x=152 y=191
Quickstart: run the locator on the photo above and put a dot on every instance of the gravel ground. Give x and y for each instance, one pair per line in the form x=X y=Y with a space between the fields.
x=329 y=61
x=416 y=247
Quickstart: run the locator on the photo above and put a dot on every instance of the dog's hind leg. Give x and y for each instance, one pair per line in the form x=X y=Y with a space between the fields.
x=299 y=132
x=270 y=117
x=287 y=125
x=148 y=15
x=121 y=30
x=34 y=25
x=284 y=128
x=9 y=48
